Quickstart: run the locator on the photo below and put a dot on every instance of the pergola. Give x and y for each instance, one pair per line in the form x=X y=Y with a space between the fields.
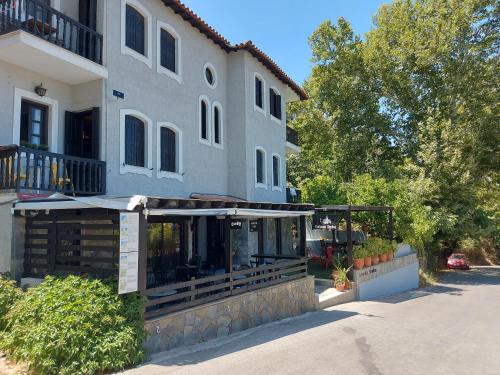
x=347 y=211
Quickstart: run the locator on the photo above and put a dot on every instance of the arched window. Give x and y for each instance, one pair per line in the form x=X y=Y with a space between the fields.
x=204 y=120
x=218 y=125
x=276 y=172
x=135 y=32
x=275 y=103
x=136 y=29
x=169 y=151
x=134 y=141
x=168 y=51
x=259 y=93
x=260 y=167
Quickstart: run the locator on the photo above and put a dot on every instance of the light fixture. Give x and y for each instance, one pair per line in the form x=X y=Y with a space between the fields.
x=40 y=90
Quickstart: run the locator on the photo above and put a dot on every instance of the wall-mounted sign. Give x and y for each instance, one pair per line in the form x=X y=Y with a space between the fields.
x=129 y=252
x=324 y=221
x=118 y=94
x=235 y=224
x=254 y=225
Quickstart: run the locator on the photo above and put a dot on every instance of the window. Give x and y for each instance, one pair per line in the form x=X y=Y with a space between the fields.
x=276 y=172
x=168 y=51
x=210 y=75
x=134 y=141
x=218 y=127
x=260 y=167
x=34 y=126
x=136 y=39
x=204 y=120
x=275 y=103
x=135 y=30
x=259 y=93
x=169 y=151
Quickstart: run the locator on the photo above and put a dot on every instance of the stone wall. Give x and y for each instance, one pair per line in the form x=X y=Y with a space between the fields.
x=230 y=315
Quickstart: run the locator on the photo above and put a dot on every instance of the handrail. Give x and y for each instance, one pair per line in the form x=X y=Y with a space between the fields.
x=26 y=169
x=43 y=21
x=179 y=296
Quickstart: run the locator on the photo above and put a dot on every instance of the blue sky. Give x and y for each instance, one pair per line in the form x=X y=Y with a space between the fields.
x=281 y=27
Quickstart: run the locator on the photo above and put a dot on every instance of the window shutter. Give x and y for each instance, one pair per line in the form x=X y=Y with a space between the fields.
x=134 y=30
x=168 y=150
x=258 y=92
x=259 y=162
x=134 y=141
x=276 y=171
x=216 y=125
x=271 y=101
x=168 y=50
x=278 y=106
x=204 y=120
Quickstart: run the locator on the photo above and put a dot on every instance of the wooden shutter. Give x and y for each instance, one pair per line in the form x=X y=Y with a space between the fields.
x=276 y=171
x=277 y=106
x=134 y=30
x=204 y=120
x=258 y=92
x=216 y=125
x=259 y=161
x=168 y=150
x=168 y=50
x=134 y=141
x=271 y=102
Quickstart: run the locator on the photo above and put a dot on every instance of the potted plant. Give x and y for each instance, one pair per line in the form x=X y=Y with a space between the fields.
x=392 y=249
x=340 y=279
x=358 y=254
x=368 y=257
x=374 y=254
x=383 y=252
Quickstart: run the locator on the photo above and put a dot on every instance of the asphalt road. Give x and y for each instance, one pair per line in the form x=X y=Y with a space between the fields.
x=450 y=328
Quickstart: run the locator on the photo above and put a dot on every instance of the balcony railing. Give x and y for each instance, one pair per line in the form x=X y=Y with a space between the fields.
x=34 y=171
x=41 y=20
x=292 y=195
x=292 y=136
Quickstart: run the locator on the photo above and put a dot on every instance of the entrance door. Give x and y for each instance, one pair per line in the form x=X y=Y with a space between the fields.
x=215 y=242
x=34 y=128
x=82 y=134
x=87 y=11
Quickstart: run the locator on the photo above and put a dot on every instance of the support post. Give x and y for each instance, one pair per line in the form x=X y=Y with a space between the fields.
x=143 y=252
x=302 y=229
x=390 y=230
x=227 y=245
x=349 y=237
x=261 y=237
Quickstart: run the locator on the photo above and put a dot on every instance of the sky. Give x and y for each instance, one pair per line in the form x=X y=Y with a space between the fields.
x=281 y=28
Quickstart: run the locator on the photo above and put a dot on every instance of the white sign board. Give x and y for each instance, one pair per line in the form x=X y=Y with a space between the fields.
x=129 y=252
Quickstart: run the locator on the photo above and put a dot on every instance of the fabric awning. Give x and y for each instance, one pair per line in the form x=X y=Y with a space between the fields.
x=234 y=212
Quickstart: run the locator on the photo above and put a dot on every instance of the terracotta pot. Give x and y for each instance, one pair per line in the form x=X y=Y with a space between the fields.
x=358 y=263
x=375 y=259
x=390 y=256
x=340 y=287
x=347 y=285
x=368 y=261
x=383 y=257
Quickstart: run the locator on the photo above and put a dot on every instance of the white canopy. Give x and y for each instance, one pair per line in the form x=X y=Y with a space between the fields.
x=235 y=212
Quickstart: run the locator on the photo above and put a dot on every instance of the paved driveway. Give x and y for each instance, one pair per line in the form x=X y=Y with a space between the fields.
x=450 y=328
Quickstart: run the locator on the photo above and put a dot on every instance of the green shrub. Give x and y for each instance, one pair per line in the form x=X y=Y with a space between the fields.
x=75 y=326
x=9 y=293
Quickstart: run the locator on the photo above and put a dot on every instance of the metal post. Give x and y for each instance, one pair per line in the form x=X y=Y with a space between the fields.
x=349 y=237
x=143 y=252
x=390 y=230
x=302 y=228
x=261 y=237
x=227 y=245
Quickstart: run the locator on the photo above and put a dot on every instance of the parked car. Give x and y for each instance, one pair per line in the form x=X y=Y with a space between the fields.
x=458 y=260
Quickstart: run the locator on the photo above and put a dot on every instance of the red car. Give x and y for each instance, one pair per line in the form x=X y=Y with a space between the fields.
x=458 y=260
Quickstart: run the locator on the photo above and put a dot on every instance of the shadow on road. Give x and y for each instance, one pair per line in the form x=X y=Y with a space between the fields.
x=256 y=337
x=413 y=294
x=474 y=276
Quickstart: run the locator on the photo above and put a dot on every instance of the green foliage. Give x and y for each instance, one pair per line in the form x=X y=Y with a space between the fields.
x=75 y=326
x=374 y=246
x=359 y=252
x=322 y=190
x=340 y=275
x=9 y=294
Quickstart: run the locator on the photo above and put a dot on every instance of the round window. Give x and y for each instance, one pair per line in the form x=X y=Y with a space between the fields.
x=210 y=75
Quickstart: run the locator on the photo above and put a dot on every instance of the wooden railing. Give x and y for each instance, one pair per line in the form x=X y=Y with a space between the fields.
x=292 y=136
x=180 y=296
x=35 y=17
x=29 y=170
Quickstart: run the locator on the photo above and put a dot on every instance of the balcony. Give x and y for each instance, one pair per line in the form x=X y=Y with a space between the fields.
x=46 y=41
x=33 y=171
x=292 y=141
x=292 y=195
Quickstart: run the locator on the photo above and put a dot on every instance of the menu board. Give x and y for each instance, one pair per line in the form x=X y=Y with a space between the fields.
x=129 y=252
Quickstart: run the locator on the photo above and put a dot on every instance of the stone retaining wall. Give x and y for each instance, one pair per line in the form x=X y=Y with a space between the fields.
x=230 y=315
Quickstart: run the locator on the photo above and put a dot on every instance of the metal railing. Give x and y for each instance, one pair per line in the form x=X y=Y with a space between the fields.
x=179 y=296
x=292 y=195
x=30 y=170
x=292 y=136
x=39 y=19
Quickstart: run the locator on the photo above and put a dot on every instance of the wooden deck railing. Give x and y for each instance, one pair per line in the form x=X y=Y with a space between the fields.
x=29 y=170
x=41 y=20
x=180 y=296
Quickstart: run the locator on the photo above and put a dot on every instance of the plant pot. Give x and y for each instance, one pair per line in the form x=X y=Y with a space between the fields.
x=358 y=263
x=340 y=287
x=383 y=258
x=375 y=260
x=347 y=285
x=368 y=261
x=390 y=256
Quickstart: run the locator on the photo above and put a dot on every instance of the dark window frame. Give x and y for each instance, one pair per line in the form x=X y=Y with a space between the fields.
x=169 y=151
x=259 y=92
x=260 y=160
x=276 y=170
x=26 y=124
x=168 y=50
x=204 y=120
x=134 y=156
x=217 y=125
x=133 y=26
x=275 y=104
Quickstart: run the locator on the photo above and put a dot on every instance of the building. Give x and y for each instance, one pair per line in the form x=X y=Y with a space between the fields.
x=140 y=97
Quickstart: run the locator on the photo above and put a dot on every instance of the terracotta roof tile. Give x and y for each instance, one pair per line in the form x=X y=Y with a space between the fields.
x=189 y=16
